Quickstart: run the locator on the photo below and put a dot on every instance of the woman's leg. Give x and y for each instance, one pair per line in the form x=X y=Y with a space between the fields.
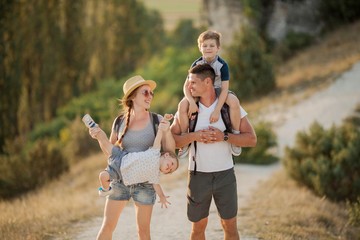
x=112 y=213
x=143 y=218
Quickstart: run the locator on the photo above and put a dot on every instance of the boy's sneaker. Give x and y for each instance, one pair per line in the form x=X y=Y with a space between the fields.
x=104 y=193
x=183 y=151
x=235 y=150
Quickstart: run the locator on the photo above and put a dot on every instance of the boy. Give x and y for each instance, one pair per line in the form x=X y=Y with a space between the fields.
x=136 y=167
x=209 y=46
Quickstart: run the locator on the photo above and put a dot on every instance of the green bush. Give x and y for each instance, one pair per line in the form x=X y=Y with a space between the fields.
x=292 y=43
x=24 y=170
x=335 y=12
x=251 y=69
x=261 y=154
x=77 y=142
x=50 y=129
x=327 y=161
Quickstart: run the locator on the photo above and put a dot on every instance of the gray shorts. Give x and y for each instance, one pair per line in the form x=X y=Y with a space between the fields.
x=202 y=187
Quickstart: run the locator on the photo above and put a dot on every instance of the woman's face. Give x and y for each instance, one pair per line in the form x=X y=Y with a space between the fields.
x=143 y=97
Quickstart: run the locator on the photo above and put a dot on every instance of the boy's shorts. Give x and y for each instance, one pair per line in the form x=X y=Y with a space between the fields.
x=218 y=91
x=202 y=187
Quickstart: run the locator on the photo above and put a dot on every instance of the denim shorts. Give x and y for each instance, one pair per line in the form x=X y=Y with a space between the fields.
x=142 y=193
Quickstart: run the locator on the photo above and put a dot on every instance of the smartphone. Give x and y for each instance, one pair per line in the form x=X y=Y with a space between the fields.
x=88 y=121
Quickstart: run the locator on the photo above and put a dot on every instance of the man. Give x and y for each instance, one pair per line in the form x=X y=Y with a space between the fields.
x=211 y=167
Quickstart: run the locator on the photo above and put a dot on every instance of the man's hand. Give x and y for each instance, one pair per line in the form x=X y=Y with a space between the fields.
x=210 y=135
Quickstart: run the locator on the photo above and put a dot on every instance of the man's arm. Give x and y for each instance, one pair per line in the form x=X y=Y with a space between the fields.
x=182 y=140
x=246 y=138
x=160 y=193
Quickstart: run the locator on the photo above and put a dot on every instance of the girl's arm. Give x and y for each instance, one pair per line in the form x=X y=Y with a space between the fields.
x=168 y=142
x=160 y=193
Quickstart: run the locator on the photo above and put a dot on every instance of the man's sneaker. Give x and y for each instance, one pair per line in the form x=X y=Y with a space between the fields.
x=104 y=193
x=183 y=152
x=235 y=150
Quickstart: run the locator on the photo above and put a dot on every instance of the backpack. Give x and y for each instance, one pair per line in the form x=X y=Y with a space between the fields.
x=225 y=115
x=119 y=120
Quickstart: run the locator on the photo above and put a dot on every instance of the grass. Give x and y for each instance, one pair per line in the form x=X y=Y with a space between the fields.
x=313 y=68
x=279 y=209
x=48 y=211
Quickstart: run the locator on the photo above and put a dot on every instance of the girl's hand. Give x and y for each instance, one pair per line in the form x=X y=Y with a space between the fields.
x=164 y=202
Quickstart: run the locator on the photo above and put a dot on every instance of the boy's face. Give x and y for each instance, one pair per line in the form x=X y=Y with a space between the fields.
x=167 y=163
x=209 y=49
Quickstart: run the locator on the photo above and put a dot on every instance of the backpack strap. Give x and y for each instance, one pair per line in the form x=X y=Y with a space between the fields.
x=155 y=121
x=117 y=125
x=225 y=115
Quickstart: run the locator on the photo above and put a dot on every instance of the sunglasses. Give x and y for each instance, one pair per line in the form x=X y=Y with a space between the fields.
x=147 y=93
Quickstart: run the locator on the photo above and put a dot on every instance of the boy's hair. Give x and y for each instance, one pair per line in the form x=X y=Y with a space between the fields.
x=209 y=34
x=204 y=71
x=174 y=156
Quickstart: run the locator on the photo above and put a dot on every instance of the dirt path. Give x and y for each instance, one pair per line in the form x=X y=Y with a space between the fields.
x=328 y=106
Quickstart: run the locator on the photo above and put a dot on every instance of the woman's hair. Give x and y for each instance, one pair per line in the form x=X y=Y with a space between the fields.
x=127 y=105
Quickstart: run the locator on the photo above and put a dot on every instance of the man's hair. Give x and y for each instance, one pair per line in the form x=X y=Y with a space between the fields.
x=203 y=71
x=209 y=34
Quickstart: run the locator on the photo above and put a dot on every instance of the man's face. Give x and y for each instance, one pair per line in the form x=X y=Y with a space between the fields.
x=196 y=85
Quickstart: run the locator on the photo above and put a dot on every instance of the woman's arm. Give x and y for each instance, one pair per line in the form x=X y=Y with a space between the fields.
x=98 y=134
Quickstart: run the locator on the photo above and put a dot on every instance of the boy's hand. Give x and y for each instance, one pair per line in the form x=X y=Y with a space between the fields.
x=193 y=108
x=164 y=202
x=214 y=117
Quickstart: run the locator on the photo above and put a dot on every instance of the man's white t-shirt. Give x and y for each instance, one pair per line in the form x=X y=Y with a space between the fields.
x=211 y=157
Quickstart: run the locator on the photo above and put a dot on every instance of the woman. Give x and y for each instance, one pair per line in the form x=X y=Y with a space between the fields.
x=136 y=135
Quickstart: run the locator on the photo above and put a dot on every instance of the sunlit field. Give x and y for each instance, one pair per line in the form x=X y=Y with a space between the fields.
x=173 y=10
x=51 y=210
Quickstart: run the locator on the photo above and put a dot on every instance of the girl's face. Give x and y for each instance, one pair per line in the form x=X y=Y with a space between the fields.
x=209 y=49
x=167 y=163
x=143 y=97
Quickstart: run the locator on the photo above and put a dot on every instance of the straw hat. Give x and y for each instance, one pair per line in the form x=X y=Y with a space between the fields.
x=132 y=83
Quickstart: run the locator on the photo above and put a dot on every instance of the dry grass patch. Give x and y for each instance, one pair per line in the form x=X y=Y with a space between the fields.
x=281 y=209
x=43 y=213
x=314 y=68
